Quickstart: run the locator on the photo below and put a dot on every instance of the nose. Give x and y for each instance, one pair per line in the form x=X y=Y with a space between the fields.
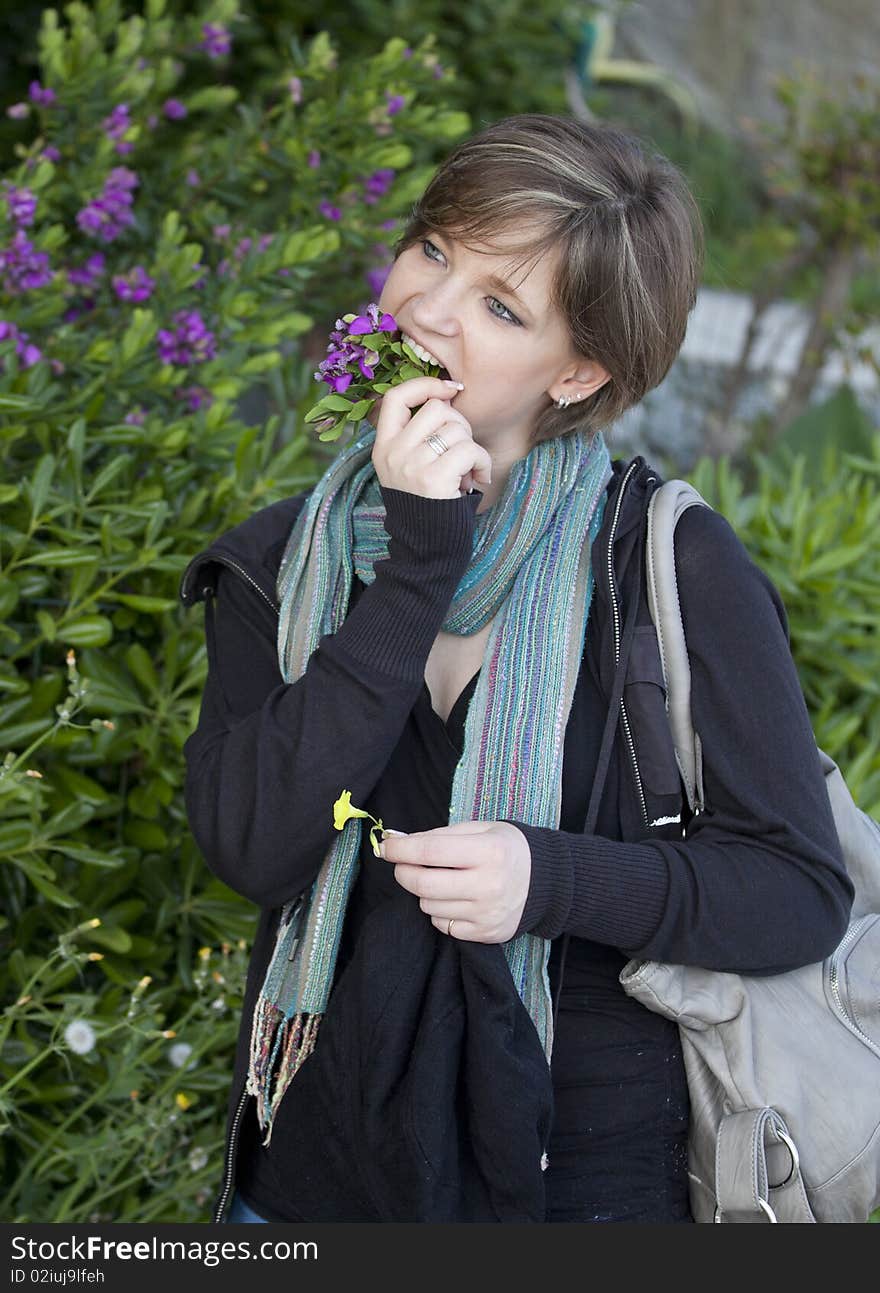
x=438 y=310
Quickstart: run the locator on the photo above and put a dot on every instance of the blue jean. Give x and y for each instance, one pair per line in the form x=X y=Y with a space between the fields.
x=241 y=1212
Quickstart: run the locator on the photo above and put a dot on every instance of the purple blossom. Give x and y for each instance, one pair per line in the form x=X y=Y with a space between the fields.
x=83 y=307
x=107 y=215
x=330 y=211
x=242 y=247
x=376 y=279
x=18 y=111
x=338 y=369
x=395 y=102
x=116 y=125
x=266 y=240
x=295 y=86
x=22 y=206
x=87 y=275
x=152 y=121
x=314 y=159
x=135 y=286
x=193 y=178
x=375 y=320
x=216 y=40
x=51 y=153
x=377 y=185
x=189 y=343
x=136 y=417
x=174 y=110
x=27 y=353
x=42 y=95
x=196 y=397
x=23 y=269
x=221 y=230
x=406 y=53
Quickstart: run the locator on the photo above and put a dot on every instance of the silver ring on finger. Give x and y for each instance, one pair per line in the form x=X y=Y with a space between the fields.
x=449 y=929
x=437 y=443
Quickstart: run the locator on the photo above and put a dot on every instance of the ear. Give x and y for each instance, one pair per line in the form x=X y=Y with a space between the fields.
x=581 y=382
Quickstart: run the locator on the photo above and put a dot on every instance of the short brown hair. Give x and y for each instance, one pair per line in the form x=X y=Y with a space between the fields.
x=630 y=235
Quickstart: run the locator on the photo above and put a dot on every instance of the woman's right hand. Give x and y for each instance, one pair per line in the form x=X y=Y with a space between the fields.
x=402 y=459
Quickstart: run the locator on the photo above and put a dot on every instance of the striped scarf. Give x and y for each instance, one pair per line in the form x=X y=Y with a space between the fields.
x=531 y=570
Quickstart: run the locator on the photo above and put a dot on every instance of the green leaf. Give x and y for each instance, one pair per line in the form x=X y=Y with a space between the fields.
x=90 y=856
x=140 y=664
x=89 y=630
x=52 y=892
x=212 y=98
x=40 y=482
x=308 y=244
x=141 y=602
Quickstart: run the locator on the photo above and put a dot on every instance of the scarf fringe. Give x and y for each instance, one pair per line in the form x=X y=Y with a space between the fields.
x=295 y=1038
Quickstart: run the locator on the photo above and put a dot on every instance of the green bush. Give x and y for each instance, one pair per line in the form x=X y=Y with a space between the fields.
x=814 y=532
x=156 y=264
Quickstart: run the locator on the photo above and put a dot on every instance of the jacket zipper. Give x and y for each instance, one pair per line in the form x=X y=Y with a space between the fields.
x=226 y=561
x=852 y=935
x=615 y=610
x=230 y=1155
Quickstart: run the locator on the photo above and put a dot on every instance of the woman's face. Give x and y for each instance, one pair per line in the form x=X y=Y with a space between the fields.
x=509 y=348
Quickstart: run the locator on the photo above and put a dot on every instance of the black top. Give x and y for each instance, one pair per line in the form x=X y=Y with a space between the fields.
x=757 y=887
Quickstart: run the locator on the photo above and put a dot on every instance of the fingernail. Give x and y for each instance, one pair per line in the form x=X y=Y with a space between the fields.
x=381 y=850
x=460 y=385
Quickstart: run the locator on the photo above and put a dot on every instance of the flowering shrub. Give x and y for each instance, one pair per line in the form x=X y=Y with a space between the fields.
x=165 y=253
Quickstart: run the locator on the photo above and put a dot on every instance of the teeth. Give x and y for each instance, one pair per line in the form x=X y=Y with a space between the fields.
x=420 y=350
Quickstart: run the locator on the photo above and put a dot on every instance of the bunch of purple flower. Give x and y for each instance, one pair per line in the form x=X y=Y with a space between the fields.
x=189 y=343
x=136 y=285
x=107 y=215
x=363 y=362
x=21 y=268
x=27 y=354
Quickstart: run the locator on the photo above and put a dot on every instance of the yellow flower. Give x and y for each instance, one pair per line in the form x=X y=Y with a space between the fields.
x=343 y=810
x=182 y=1100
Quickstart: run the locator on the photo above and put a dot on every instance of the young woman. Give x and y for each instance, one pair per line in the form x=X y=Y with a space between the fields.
x=434 y=627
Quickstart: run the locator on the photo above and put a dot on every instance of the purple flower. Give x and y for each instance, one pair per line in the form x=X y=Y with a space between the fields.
x=135 y=286
x=377 y=185
x=376 y=279
x=345 y=355
x=51 y=153
x=22 y=268
x=38 y=94
x=87 y=275
x=136 y=417
x=18 y=111
x=330 y=211
x=174 y=110
x=193 y=178
x=189 y=343
x=406 y=53
x=216 y=40
x=295 y=86
x=107 y=215
x=266 y=240
x=22 y=206
x=28 y=354
x=242 y=247
x=314 y=159
x=117 y=123
x=152 y=121
x=196 y=397
x=372 y=321
x=395 y=102
x=221 y=230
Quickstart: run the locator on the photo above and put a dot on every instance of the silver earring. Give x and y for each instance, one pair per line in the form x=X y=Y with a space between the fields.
x=563 y=402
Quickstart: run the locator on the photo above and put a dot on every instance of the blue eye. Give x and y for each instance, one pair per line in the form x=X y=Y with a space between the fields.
x=511 y=318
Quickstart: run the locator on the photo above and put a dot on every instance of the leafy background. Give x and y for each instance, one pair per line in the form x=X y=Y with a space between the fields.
x=260 y=213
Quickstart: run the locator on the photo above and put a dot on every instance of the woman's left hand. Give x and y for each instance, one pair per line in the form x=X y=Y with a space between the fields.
x=475 y=873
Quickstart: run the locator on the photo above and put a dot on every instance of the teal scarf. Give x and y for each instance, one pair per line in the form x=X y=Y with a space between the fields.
x=530 y=570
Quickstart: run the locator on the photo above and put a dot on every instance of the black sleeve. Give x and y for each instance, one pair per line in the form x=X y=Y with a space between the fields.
x=268 y=759
x=759 y=885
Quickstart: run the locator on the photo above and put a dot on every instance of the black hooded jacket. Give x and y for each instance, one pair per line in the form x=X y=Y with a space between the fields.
x=757 y=885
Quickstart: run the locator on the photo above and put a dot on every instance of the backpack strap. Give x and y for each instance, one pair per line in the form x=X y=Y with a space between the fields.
x=668 y=503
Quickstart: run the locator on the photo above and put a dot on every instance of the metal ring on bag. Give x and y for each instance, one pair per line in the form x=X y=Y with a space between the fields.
x=795 y=1159
x=440 y=441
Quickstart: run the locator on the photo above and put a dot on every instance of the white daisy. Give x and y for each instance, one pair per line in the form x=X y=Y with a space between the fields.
x=179 y=1053
x=80 y=1036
